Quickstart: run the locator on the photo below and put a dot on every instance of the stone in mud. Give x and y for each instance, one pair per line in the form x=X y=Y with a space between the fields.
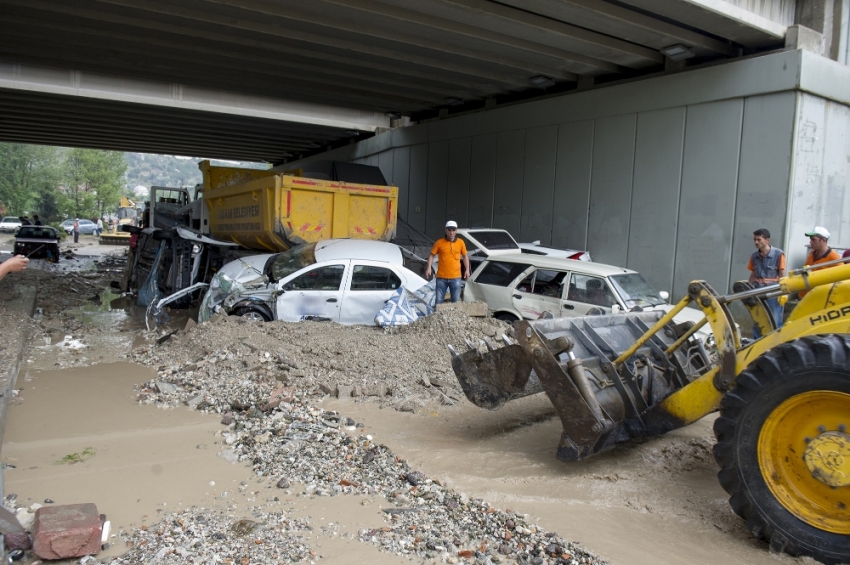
x=195 y=402
x=358 y=391
x=328 y=388
x=66 y=531
x=415 y=478
x=283 y=483
x=344 y=392
x=245 y=527
x=190 y=323
x=166 y=388
x=283 y=394
x=18 y=540
x=228 y=419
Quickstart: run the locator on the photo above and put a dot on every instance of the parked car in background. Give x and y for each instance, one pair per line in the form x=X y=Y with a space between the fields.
x=10 y=224
x=526 y=286
x=38 y=242
x=87 y=227
x=341 y=280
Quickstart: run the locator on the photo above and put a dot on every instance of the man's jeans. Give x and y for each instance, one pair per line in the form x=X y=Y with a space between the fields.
x=776 y=310
x=452 y=285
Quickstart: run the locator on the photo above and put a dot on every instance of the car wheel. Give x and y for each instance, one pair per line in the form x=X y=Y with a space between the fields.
x=251 y=314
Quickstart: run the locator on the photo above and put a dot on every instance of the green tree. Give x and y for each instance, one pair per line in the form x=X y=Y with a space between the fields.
x=95 y=180
x=29 y=174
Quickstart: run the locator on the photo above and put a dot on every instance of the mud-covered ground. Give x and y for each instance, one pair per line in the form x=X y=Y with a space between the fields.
x=226 y=443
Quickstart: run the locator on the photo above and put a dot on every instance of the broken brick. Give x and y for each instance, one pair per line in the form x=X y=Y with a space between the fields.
x=66 y=531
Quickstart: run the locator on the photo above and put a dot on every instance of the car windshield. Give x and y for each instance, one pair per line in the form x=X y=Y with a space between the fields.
x=495 y=239
x=36 y=232
x=635 y=290
x=11 y=220
x=286 y=263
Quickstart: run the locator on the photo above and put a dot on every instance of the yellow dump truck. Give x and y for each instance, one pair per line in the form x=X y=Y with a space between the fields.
x=271 y=211
x=187 y=236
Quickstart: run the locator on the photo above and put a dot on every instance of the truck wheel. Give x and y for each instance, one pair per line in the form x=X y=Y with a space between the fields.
x=251 y=314
x=784 y=449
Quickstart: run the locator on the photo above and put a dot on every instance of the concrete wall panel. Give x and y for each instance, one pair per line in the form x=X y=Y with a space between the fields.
x=418 y=187
x=482 y=180
x=572 y=185
x=763 y=176
x=611 y=189
x=709 y=184
x=438 y=176
x=541 y=146
x=385 y=163
x=457 y=202
x=401 y=178
x=655 y=195
x=507 y=196
x=836 y=172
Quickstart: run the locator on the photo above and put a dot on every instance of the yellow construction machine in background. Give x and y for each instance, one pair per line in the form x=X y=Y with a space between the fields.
x=128 y=215
x=783 y=445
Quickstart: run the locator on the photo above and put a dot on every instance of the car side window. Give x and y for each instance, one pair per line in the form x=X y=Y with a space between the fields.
x=321 y=278
x=367 y=277
x=498 y=273
x=543 y=282
x=590 y=290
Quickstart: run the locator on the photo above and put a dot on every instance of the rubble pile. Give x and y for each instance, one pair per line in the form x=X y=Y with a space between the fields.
x=234 y=364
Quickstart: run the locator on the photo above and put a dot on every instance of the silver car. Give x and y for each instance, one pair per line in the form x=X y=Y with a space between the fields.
x=341 y=280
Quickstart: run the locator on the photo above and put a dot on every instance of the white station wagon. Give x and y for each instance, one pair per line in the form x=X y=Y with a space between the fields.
x=528 y=286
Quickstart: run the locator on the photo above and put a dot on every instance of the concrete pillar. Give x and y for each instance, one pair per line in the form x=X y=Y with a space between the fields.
x=829 y=18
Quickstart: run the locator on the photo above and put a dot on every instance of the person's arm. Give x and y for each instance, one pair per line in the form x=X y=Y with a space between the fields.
x=428 y=267
x=781 y=266
x=13 y=265
x=467 y=272
x=752 y=278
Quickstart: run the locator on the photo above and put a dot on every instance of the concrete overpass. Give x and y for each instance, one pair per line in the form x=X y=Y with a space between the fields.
x=280 y=80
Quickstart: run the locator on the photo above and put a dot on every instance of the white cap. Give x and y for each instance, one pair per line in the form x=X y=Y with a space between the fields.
x=820 y=231
x=451 y=224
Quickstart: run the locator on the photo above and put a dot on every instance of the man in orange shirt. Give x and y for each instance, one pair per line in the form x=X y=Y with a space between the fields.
x=451 y=251
x=821 y=251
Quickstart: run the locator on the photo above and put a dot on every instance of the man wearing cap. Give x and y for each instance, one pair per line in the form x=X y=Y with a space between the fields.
x=767 y=266
x=451 y=251
x=821 y=251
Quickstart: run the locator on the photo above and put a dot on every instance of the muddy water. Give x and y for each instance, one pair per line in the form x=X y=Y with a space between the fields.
x=658 y=502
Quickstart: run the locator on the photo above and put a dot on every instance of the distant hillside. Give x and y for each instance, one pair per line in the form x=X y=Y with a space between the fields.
x=145 y=169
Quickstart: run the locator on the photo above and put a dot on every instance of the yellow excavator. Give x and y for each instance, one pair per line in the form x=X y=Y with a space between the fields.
x=128 y=215
x=783 y=445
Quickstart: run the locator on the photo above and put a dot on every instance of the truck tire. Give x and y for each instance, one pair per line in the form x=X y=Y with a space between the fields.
x=784 y=449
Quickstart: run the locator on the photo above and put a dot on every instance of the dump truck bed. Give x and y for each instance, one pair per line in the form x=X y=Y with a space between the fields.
x=271 y=211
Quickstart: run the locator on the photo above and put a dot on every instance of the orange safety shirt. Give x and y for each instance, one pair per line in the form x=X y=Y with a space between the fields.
x=448 y=254
x=831 y=255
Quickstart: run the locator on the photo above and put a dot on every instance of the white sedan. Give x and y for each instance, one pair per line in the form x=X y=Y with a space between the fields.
x=341 y=280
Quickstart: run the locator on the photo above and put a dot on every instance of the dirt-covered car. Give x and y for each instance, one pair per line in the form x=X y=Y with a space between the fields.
x=37 y=242
x=341 y=280
x=529 y=286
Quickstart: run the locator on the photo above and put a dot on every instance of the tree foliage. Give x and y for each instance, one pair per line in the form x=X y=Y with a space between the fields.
x=29 y=175
x=94 y=182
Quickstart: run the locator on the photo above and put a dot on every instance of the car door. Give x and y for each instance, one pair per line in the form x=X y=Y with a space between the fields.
x=314 y=292
x=586 y=292
x=540 y=291
x=370 y=285
x=492 y=283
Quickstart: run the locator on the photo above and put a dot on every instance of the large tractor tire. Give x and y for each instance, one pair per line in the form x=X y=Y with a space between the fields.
x=784 y=448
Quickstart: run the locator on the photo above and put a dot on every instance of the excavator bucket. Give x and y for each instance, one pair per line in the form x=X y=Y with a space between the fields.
x=573 y=360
